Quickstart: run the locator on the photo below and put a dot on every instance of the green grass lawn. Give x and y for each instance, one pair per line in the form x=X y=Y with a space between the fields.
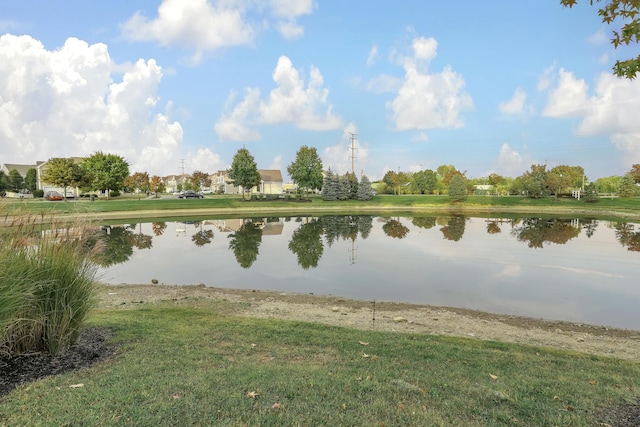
x=162 y=207
x=187 y=366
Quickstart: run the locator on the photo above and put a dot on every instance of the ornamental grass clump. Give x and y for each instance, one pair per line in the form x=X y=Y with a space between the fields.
x=47 y=285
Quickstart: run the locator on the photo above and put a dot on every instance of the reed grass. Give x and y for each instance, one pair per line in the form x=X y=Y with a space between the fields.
x=47 y=284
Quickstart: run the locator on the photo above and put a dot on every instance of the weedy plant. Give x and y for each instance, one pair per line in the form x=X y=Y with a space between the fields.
x=47 y=283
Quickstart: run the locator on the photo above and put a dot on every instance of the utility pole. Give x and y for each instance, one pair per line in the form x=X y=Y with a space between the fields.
x=182 y=165
x=353 y=156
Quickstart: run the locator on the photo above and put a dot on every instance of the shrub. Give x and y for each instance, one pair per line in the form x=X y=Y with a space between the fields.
x=38 y=193
x=114 y=193
x=47 y=286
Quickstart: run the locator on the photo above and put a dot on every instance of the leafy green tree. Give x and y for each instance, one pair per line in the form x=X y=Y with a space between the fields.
x=244 y=171
x=608 y=185
x=365 y=191
x=590 y=194
x=16 y=181
x=635 y=173
x=105 y=172
x=395 y=180
x=329 y=190
x=245 y=243
x=63 y=172
x=424 y=182
x=138 y=181
x=626 y=13
x=306 y=170
x=3 y=182
x=563 y=177
x=457 y=189
x=31 y=179
x=627 y=187
x=534 y=181
x=200 y=180
x=496 y=180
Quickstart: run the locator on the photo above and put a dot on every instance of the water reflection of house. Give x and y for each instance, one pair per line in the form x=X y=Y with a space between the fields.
x=269 y=226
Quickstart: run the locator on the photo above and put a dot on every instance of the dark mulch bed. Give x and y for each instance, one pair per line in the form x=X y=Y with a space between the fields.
x=90 y=348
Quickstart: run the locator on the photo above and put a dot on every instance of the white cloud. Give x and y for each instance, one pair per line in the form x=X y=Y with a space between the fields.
x=206 y=26
x=611 y=109
x=276 y=163
x=338 y=156
x=568 y=98
x=206 y=160
x=598 y=38
x=292 y=101
x=286 y=12
x=373 y=56
x=195 y=24
x=75 y=101
x=428 y=100
x=516 y=104
x=383 y=83
x=510 y=162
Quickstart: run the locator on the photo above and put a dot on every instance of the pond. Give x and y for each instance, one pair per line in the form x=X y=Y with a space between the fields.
x=578 y=270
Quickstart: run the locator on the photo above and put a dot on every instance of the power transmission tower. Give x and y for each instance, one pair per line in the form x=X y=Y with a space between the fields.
x=353 y=156
x=182 y=165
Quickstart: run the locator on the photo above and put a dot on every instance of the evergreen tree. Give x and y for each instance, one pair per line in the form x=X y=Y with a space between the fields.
x=353 y=185
x=344 y=188
x=16 y=182
x=330 y=186
x=457 y=189
x=365 y=191
x=31 y=180
x=627 y=187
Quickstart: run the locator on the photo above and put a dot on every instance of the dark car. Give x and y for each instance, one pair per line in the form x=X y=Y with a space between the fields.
x=190 y=194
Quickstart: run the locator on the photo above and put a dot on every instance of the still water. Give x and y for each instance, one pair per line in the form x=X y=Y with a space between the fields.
x=563 y=269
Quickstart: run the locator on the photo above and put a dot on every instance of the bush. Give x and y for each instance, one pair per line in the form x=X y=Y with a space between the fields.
x=47 y=287
x=114 y=193
x=38 y=193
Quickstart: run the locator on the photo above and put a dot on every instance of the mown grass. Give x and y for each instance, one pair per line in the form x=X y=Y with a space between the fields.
x=163 y=207
x=185 y=366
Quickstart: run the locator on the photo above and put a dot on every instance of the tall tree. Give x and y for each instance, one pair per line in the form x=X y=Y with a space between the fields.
x=244 y=171
x=627 y=14
x=329 y=186
x=106 y=172
x=424 y=182
x=635 y=173
x=139 y=181
x=627 y=187
x=16 y=181
x=156 y=185
x=564 y=177
x=31 y=179
x=534 y=181
x=457 y=189
x=365 y=191
x=306 y=170
x=3 y=182
x=200 y=180
x=63 y=172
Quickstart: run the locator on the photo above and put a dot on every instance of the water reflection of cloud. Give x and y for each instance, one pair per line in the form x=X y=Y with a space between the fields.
x=510 y=271
x=583 y=271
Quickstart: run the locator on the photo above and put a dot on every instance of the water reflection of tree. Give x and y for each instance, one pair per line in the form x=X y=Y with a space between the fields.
x=158 y=228
x=394 y=228
x=537 y=231
x=454 y=230
x=627 y=236
x=140 y=240
x=202 y=237
x=424 y=222
x=493 y=227
x=589 y=226
x=118 y=246
x=245 y=243
x=345 y=227
x=306 y=243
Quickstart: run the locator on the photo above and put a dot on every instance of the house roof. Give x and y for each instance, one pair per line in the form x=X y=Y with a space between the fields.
x=22 y=169
x=271 y=175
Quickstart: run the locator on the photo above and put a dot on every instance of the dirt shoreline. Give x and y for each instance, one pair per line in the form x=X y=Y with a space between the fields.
x=385 y=316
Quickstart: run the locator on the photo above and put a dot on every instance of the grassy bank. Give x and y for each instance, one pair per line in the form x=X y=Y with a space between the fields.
x=185 y=366
x=123 y=207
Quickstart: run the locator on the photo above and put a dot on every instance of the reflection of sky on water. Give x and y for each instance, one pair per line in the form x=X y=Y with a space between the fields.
x=590 y=280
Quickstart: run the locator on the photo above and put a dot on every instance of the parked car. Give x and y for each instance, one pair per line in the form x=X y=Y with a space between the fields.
x=71 y=194
x=53 y=195
x=190 y=194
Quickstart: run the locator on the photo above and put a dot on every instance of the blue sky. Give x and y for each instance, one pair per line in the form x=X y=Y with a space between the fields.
x=173 y=84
